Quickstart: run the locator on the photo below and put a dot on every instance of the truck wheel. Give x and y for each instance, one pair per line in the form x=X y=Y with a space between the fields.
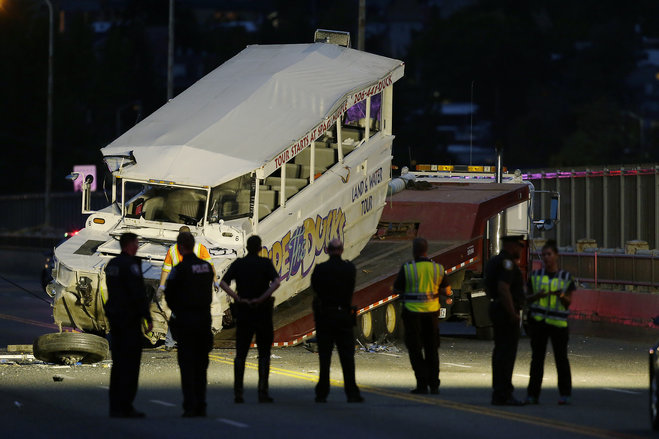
x=392 y=320
x=365 y=325
x=70 y=348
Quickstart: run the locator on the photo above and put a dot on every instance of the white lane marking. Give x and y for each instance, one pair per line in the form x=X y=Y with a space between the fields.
x=631 y=392
x=456 y=365
x=104 y=387
x=522 y=375
x=166 y=404
x=233 y=423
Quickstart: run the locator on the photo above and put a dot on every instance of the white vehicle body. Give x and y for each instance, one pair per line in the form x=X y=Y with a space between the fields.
x=267 y=144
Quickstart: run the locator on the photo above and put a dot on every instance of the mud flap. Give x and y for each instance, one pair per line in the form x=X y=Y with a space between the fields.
x=480 y=309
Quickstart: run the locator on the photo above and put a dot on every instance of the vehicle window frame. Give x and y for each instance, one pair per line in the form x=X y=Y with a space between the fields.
x=145 y=183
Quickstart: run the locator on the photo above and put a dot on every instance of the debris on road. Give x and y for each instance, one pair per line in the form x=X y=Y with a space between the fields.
x=23 y=348
x=20 y=359
x=58 y=378
x=374 y=348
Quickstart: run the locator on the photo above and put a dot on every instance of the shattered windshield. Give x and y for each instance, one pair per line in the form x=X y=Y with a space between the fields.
x=233 y=199
x=164 y=203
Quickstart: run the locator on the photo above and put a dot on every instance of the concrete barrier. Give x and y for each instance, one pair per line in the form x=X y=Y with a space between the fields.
x=619 y=307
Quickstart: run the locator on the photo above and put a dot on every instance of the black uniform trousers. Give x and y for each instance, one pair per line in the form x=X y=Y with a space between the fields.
x=335 y=326
x=126 y=347
x=506 y=339
x=422 y=343
x=253 y=321
x=540 y=333
x=192 y=354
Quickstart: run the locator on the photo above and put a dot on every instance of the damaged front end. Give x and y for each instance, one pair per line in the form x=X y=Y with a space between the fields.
x=78 y=299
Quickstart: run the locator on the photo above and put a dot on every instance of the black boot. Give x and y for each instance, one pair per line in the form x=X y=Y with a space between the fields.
x=264 y=372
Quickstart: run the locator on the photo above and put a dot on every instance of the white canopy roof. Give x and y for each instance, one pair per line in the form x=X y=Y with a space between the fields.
x=240 y=116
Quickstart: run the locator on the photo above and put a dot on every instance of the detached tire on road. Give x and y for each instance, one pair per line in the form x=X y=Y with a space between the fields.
x=70 y=348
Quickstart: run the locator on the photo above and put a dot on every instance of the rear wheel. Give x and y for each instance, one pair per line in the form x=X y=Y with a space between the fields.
x=365 y=327
x=70 y=348
x=392 y=320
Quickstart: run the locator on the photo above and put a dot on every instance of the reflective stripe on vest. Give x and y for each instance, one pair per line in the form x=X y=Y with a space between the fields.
x=422 y=281
x=176 y=255
x=549 y=308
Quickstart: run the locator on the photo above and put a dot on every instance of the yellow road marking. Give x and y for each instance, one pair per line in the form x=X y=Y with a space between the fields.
x=476 y=409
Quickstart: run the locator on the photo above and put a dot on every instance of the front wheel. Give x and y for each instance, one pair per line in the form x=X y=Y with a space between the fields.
x=70 y=348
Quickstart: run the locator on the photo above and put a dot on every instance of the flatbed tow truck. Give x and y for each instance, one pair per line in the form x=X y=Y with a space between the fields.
x=456 y=213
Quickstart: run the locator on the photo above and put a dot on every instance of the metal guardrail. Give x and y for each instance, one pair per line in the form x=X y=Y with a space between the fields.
x=26 y=211
x=610 y=205
x=637 y=272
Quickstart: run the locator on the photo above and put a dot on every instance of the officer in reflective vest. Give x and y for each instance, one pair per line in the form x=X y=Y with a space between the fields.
x=550 y=290
x=419 y=284
x=172 y=259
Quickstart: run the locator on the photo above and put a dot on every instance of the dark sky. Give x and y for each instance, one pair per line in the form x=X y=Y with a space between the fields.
x=558 y=83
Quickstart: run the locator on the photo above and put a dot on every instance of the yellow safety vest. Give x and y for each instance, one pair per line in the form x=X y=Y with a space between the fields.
x=422 y=281
x=549 y=308
x=174 y=256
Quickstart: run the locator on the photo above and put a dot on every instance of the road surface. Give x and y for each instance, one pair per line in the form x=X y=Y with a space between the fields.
x=610 y=376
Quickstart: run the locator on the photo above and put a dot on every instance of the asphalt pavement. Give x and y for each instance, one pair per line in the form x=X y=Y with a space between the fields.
x=610 y=399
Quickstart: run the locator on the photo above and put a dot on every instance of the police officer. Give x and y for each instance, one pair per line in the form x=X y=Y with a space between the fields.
x=550 y=292
x=333 y=282
x=127 y=308
x=256 y=279
x=505 y=287
x=189 y=293
x=172 y=258
x=419 y=284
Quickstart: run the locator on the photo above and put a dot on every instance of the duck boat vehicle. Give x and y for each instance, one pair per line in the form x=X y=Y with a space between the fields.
x=290 y=142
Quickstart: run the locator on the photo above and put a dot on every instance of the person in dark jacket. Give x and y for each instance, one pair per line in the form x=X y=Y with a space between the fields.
x=333 y=282
x=127 y=308
x=256 y=279
x=189 y=293
x=505 y=287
